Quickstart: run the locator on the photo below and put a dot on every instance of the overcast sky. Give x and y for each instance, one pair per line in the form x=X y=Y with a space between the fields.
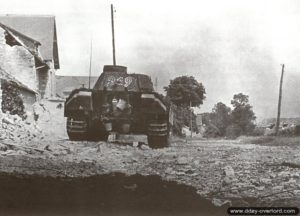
x=230 y=46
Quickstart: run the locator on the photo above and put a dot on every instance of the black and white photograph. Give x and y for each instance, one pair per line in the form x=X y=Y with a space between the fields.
x=145 y=108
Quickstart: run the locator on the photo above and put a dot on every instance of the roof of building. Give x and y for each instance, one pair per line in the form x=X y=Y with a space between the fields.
x=68 y=83
x=6 y=76
x=13 y=37
x=39 y=28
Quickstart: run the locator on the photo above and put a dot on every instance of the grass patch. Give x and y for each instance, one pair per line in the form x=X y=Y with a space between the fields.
x=271 y=140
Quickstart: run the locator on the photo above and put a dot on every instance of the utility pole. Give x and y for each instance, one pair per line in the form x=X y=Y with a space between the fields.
x=90 y=72
x=279 y=102
x=113 y=33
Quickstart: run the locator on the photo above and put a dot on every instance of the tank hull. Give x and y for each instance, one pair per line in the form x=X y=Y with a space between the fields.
x=119 y=102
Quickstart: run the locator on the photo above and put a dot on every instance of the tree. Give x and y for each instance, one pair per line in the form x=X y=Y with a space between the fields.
x=220 y=117
x=181 y=92
x=185 y=89
x=242 y=115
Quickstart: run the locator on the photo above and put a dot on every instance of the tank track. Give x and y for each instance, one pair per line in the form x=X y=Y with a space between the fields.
x=158 y=134
x=77 y=129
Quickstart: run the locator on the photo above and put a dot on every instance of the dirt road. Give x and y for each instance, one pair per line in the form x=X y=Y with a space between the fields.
x=187 y=175
x=223 y=172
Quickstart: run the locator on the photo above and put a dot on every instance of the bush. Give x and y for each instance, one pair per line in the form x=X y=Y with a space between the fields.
x=297 y=130
x=290 y=131
x=258 y=131
x=211 y=132
x=233 y=131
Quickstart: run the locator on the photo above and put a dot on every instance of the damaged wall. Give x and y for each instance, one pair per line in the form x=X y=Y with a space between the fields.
x=29 y=98
x=12 y=102
x=14 y=96
x=50 y=90
x=42 y=80
x=38 y=35
x=19 y=62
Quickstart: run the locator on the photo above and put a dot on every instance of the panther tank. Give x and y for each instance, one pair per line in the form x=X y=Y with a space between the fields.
x=121 y=103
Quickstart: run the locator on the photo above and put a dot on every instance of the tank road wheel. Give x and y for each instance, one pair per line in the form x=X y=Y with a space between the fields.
x=158 y=135
x=77 y=129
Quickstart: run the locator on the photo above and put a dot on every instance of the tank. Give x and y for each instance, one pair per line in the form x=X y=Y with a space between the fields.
x=119 y=102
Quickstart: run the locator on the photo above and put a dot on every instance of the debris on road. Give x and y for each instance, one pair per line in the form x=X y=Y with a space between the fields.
x=13 y=128
x=225 y=172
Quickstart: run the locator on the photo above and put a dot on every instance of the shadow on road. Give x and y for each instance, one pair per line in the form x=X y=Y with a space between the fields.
x=110 y=194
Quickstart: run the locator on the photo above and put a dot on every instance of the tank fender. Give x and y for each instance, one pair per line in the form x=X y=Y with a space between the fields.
x=79 y=101
x=152 y=96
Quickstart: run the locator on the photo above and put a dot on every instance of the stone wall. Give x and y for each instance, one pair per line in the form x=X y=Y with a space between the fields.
x=19 y=62
x=29 y=98
x=42 y=80
x=46 y=81
x=51 y=84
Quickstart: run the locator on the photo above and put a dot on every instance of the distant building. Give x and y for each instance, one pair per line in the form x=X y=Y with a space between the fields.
x=200 y=125
x=199 y=121
x=65 y=84
x=29 y=51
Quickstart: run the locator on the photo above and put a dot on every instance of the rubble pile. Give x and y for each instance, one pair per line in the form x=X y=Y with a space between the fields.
x=50 y=119
x=14 y=128
x=34 y=134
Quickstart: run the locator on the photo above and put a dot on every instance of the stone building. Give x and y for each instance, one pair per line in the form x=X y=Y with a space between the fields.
x=29 y=51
